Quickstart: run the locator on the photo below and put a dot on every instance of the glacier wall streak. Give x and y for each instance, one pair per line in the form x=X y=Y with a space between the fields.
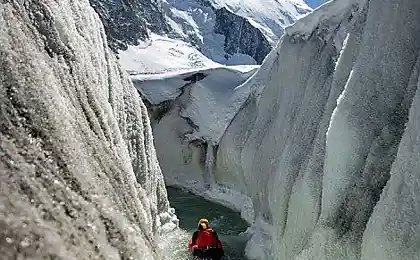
x=79 y=173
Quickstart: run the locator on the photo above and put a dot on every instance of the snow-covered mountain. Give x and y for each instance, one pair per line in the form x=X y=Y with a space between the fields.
x=228 y=31
x=224 y=29
x=127 y=22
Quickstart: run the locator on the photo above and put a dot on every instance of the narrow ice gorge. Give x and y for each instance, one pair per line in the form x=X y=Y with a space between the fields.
x=78 y=171
x=318 y=149
x=322 y=155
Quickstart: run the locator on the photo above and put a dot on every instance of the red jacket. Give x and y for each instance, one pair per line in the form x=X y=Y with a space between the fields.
x=204 y=238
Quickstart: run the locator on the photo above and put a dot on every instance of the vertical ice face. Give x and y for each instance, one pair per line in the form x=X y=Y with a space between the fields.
x=78 y=171
x=314 y=146
x=392 y=230
x=367 y=125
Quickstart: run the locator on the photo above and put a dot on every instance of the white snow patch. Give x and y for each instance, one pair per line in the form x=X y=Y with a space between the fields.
x=162 y=54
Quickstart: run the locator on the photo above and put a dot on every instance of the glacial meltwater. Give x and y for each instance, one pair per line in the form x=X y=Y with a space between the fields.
x=189 y=209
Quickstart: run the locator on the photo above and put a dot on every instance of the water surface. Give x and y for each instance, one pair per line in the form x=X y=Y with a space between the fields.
x=189 y=209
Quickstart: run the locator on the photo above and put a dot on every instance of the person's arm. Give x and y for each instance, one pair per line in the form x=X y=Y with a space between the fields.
x=193 y=240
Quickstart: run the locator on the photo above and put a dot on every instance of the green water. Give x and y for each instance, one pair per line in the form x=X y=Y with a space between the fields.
x=228 y=224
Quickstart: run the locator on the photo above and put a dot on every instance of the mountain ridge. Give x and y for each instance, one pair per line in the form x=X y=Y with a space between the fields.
x=229 y=32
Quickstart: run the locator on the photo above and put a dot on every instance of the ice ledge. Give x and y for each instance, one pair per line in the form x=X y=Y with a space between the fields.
x=325 y=19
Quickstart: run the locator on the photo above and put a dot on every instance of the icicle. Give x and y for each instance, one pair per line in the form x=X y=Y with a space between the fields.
x=208 y=174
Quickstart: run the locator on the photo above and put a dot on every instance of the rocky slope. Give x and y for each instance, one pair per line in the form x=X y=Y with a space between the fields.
x=228 y=32
x=127 y=22
x=78 y=172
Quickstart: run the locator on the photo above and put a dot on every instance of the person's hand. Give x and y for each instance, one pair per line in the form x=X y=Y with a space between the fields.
x=194 y=247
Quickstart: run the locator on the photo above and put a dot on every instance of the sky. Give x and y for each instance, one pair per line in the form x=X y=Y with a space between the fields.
x=315 y=3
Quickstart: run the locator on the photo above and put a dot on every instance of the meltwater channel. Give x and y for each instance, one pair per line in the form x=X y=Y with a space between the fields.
x=189 y=209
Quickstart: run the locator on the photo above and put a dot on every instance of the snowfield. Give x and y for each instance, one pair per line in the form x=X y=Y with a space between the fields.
x=161 y=54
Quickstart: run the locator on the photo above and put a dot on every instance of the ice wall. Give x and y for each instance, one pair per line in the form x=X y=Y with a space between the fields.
x=189 y=113
x=79 y=175
x=392 y=230
x=314 y=146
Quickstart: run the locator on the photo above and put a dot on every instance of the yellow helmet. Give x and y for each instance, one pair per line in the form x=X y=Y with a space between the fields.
x=203 y=224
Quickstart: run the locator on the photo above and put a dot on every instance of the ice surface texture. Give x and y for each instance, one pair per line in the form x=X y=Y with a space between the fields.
x=316 y=147
x=78 y=172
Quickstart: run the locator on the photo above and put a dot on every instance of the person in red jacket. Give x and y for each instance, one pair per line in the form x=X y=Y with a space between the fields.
x=205 y=242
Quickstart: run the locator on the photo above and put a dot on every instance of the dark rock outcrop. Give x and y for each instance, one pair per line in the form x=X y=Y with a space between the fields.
x=241 y=36
x=127 y=21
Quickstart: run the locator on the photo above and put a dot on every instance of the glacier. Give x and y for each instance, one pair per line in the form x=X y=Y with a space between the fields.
x=317 y=148
x=79 y=173
x=321 y=156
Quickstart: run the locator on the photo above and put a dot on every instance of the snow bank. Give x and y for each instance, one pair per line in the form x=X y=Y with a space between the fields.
x=79 y=174
x=189 y=114
x=190 y=111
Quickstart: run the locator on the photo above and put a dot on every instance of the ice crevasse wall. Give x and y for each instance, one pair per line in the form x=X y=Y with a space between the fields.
x=326 y=145
x=78 y=172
